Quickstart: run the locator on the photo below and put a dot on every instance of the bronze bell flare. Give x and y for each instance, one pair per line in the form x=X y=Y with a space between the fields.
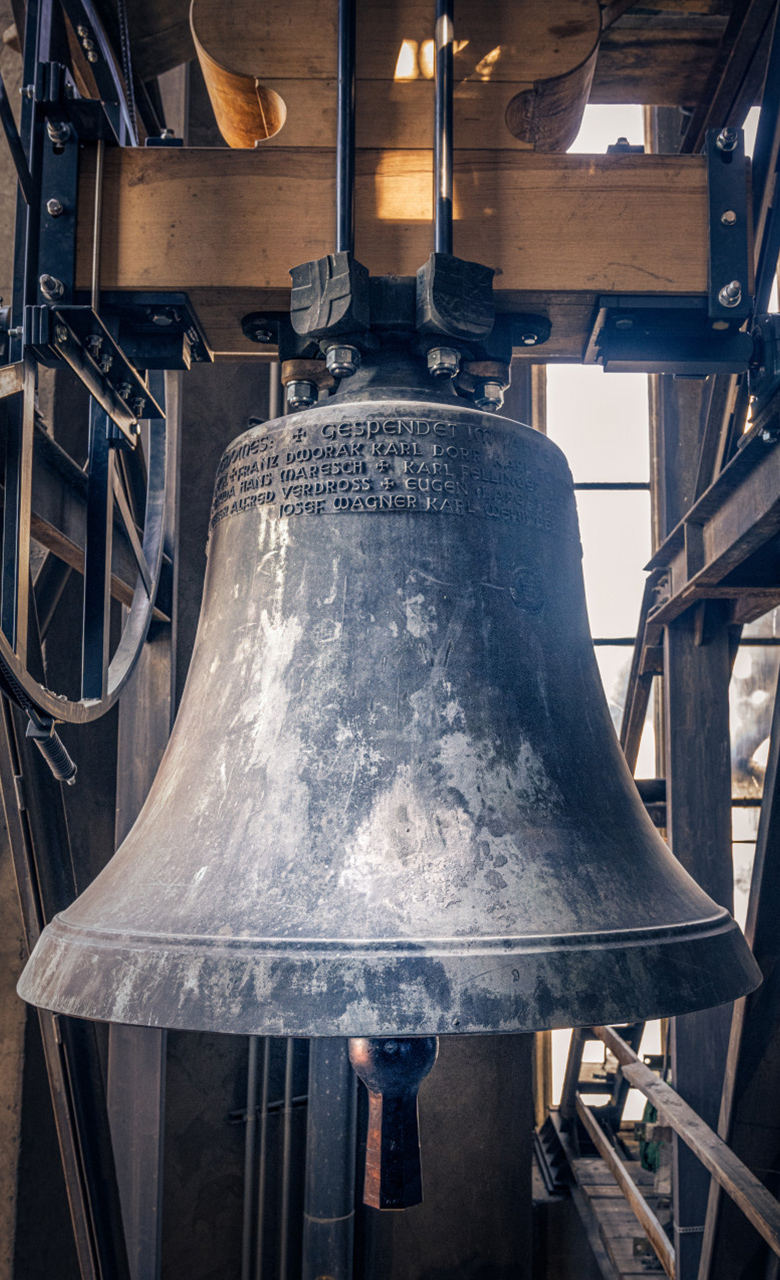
x=393 y=803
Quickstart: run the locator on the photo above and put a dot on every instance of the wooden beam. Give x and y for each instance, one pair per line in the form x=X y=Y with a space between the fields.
x=226 y=226
x=749 y=1115
x=639 y=1206
x=736 y=1179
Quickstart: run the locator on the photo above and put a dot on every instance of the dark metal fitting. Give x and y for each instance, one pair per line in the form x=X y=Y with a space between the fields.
x=55 y=208
x=17 y=332
x=46 y=739
x=91 y=56
x=529 y=339
x=58 y=130
x=342 y=362
x=82 y=31
x=443 y=362
x=258 y=328
x=106 y=361
x=139 y=404
x=124 y=389
x=301 y=394
x=27 y=90
x=94 y=343
x=727 y=139
x=489 y=395
x=728 y=218
x=60 y=333
x=731 y=294
x=86 y=43
x=51 y=287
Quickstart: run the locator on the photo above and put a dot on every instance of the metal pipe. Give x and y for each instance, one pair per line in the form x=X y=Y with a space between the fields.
x=97 y=223
x=286 y=1172
x=250 y=1136
x=329 y=1198
x=442 y=142
x=274 y=390
x=345 y=130
x=263 y=1147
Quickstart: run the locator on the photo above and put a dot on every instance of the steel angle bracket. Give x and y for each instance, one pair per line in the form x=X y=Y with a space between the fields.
x=77 y=336
x=640 y=334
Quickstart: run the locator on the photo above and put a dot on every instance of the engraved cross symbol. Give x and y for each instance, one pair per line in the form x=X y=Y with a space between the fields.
x=299 y=434
x=383 y=465
x=388 y=484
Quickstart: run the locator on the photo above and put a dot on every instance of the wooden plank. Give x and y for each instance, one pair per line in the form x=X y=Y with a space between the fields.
x=226 y=226
x=634 y=1198
x=752 y=1197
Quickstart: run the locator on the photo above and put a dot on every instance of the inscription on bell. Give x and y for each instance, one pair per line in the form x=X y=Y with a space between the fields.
x=390 y=464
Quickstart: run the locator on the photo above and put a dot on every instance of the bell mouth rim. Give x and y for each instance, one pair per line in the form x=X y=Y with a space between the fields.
x=102 y=938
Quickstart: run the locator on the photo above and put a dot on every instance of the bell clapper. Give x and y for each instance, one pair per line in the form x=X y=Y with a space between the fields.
x=392 y=1071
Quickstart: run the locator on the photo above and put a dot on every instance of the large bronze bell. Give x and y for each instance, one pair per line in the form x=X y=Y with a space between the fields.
x=393 y=802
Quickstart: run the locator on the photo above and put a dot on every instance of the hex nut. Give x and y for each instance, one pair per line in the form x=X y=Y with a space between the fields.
x=301 y=394
x=727 y=139
x=342 y=361
x=51 y=287
x=731 y=294
x=489 y=395
x=443 y=362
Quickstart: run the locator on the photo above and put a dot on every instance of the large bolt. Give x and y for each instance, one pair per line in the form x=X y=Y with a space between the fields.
x=91 y=55
x=124 y=389
x=51 y=287
x=58 y=130
x=55 y=208
x=727 y=139
x=731 y=294
x=728 y=218
x=443 y=362
x=82 y=31
x=301 y=394
x=529 y=339
x=61 y=333
x=342 y=362
x=489 y=395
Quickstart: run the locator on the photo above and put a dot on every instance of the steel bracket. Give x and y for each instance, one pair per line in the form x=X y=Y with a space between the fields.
x=77 y=336
x=729 y=300
x=639 y=334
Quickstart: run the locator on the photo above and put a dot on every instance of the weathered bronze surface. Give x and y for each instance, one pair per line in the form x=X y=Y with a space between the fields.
x=393 y=802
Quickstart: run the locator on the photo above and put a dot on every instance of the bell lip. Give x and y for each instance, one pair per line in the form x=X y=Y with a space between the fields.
x=101 y=938
x=72 y=972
